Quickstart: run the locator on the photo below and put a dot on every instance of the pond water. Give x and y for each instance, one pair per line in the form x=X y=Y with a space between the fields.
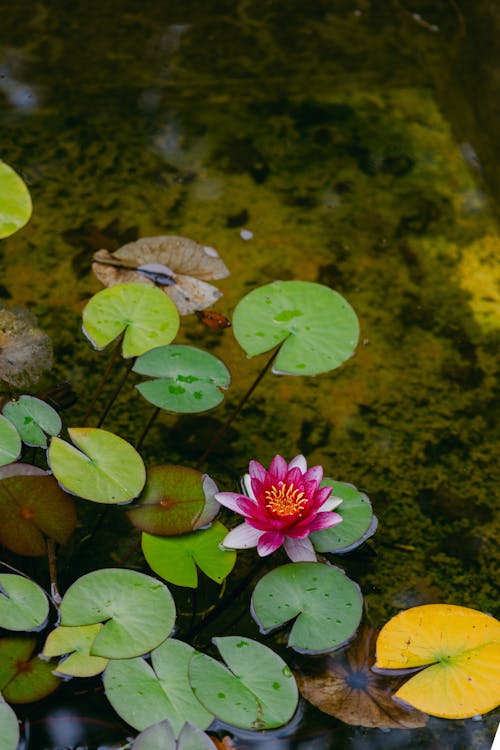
x=323 y=141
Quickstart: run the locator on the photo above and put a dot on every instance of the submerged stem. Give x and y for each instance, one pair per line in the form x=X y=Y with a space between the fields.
x=114 y=356
x=51 y=555
x=146 y=429
x=116 y=392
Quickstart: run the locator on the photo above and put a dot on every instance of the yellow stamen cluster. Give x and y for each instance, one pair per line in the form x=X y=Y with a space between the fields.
x=285 y=500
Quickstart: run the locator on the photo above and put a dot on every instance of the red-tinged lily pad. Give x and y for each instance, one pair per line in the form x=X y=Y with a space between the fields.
x=23 y=604
x=24 y=678
x=76 y=643
x=343 y=685
x=174 y=501
x=32 y=508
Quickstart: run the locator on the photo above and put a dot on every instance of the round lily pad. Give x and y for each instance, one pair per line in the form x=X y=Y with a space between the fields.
x=9 y=727
x=255 y=691
x=161 y=737
x=10 y=442
x=106 y=469
x=23 y=604
x=358 y=521
x=76 y=643
x=33 y=419
x=24 y=678
x=316 y=327
x=144 y=695
x=175 y=558
x=326 y=604
x=188 y=380
x=138 y=611
x=147 y=317
x=15 y=201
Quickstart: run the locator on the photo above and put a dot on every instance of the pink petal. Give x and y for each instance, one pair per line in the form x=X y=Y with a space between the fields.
x=242 y=537
x=299 y=462
x=300 y=550
x=269 y=542
x=278 y=467
x=331 y=503
x=314 y=474
x=257 y=471
x=246 y=484
x=322 y=496
x=237 y=503
x=324 y=521
x=294 y=476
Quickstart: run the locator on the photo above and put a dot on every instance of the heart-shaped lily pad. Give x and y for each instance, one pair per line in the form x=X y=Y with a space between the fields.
x=460 y=648
x=15 y=201
x=33 y=419
x=255 y=691
x=24 y=678
x=10 y=442
x=23 y=604
x=188 y=380
x=147 y=317
x=9 y=727
x=161 y=736
x=358 y=521
x=317 y=328
x=173 y=501
x=144 y=695
x=31 y=508
x=175 y=558
x=138 y=611
x=106 y=469
x=77 y=643
x=327 y=605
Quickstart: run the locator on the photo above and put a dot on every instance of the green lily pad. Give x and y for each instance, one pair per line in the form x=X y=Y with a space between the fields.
x=255 y=691
x=9 y=727
x=33 y=419
x=175 y=558
x=327 y=605
x=10 y=442
x=15 y=201
x=317 y=328
x=106 y=469
x=33 y=507
x=76 y=642
x=23 y=604
x=358 y=521
x=173 y=501
x=24 y=678
x=138 y=611
x=144 y=313
x=143 y=695
x=189 y=380
x=161 y=737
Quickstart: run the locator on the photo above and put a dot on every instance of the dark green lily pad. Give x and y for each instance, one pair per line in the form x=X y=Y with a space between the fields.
x=255 y=691
x=10 y=442
x=32 y=508
x=24 y=678
x=175 y=558
x=9 y=727
x=144 y=313
x=143 y=695
x=189 y=380
x=23 y=604
x=76 y=643
x=326 y=604
x=174 y=501
x=358 y=521
x=161 y=737
x=138 y=611
x=15 y=201
x=33 y=419
x=317 y=328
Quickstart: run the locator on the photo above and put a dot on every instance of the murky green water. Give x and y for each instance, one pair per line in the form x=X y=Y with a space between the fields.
x=348 y=141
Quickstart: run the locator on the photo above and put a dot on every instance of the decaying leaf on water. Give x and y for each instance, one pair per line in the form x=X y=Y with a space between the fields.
x=177 y=265
x=343 y=685
x=25 y=350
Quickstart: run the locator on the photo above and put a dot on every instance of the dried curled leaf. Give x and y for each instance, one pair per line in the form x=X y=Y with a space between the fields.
x=25 y=350
x=178 y=265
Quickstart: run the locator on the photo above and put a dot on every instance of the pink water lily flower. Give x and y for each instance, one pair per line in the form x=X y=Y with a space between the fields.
x=282 y=507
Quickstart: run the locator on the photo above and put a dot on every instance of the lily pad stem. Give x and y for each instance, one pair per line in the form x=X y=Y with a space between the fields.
x=114 y=356
x=227 y=424
x=116 y=392
x=146 y=429
x=51 y=555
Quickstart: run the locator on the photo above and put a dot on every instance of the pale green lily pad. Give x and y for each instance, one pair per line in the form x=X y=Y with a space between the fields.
x=316 y=327
x=175 y=558
x=15 y=201
x=144 y=313
x=9 y=727
x=23 y=604
x=138 y=611
x=358 y=521
x=77 y=643
x=161 y=737
x=143 y=695
x=255 y=691
x=106 y=469
x=326 y=604
x=188 y=380
x=10 y=442
x=33 y=419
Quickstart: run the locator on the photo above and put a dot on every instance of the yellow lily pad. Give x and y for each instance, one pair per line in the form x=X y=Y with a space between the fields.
x=75 y=643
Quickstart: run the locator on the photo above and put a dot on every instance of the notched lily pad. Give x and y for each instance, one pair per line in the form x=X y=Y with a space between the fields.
x=15 y=201
x=23 y=604
x=9 y=727
x=161 y=737
x=76 y=644
x=24 y=678
x=10 y=442
x=358 y=521
x=33 y=419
